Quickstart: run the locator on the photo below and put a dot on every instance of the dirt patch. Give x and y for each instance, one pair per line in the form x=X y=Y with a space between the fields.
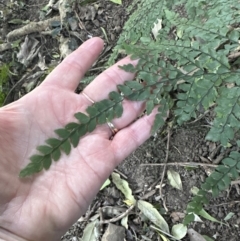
x=187 y=143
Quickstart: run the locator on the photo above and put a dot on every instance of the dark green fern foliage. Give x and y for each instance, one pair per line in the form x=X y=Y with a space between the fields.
x=192 y=65
x=218 y=181
x=69 y=136
x=4 y=76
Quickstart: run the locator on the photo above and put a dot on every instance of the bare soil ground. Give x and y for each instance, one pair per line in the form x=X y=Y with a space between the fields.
x=186 y=143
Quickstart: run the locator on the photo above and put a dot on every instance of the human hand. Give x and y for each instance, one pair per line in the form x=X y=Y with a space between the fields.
x=44 y=206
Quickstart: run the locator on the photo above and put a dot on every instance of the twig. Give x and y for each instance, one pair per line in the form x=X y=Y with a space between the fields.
x=113 y=220
x=37 y=75
x=164 y=169
x=235 y=182
x=120 y=173
x=32 y=27
x=160 y=230
x=5 y=46
x=200 y=117
x=221 y=156
x=185 y=164
x=214 y=152
x=101 y=219
x=234 y=55
x=90 y=211
x=222 y=204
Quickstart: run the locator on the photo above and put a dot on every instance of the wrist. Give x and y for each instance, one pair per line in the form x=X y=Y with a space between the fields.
x=8 y=236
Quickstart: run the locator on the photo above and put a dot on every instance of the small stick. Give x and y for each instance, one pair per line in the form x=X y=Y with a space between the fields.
x=113 y=220
x=234 y=55
x=164 y=170
x=120 y=173
x=222 y=204
x=189 y=164
x=101 y=219
x=235 y=182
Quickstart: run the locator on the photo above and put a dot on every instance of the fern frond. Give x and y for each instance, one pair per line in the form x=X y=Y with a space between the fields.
x=218 y=181
x=186 y=68
x=97 y=114
x=139 y=24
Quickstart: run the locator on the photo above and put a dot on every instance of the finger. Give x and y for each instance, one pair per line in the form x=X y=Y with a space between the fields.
x=68 y=74
x=108 y=80
x=103 y=85
x=129 y=139
x=131 y=111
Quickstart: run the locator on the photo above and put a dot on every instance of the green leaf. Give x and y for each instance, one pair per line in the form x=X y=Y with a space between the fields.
x=56 y=154
x=118 y=110
x=188 y=218
x=179 y=231
x=102 y=118
x=105 y=184
x=92 y=125
x=47 y=161
x=116 y=1
x=124 y=89
x=229 y=216
x=66 y=147
x=115 y=96
x=63 y=133
x=134 y=85
x=82 y=118
x=206 y=215
x=149 y=106
x=36 y=158
x=75 y=139
x=153 y=215
x=110 y=114
x=163 y=237
x=128 y=68
x=30 y=169
x=82 y=130
x=208 y=238
x=158 y=123
x=53 y=142
x=123 y=186
x=144 y=95
x=88 y=233
x=124 y=222
x=234 y=35
x=71 y=126
x=103 y=105
x=92 y=111
x=174 y=179
x=45 y=149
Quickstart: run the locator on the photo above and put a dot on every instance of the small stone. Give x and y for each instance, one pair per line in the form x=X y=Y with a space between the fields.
x=114 y=233
x=195 y=236
x=220 y=214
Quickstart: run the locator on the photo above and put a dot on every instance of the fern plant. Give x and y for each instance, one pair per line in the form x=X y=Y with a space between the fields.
x=4 y=75
x=189 y=66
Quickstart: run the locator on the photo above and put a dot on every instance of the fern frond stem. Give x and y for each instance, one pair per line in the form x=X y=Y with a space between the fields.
x=228 y=116
x=184 y=164
x=167 y=45
x=164 y=169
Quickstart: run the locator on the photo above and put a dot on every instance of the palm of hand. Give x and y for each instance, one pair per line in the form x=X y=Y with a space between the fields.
x=44 y=206
x=63 y=186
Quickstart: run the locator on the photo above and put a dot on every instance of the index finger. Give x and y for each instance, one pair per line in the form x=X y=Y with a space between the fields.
x=68 y=74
